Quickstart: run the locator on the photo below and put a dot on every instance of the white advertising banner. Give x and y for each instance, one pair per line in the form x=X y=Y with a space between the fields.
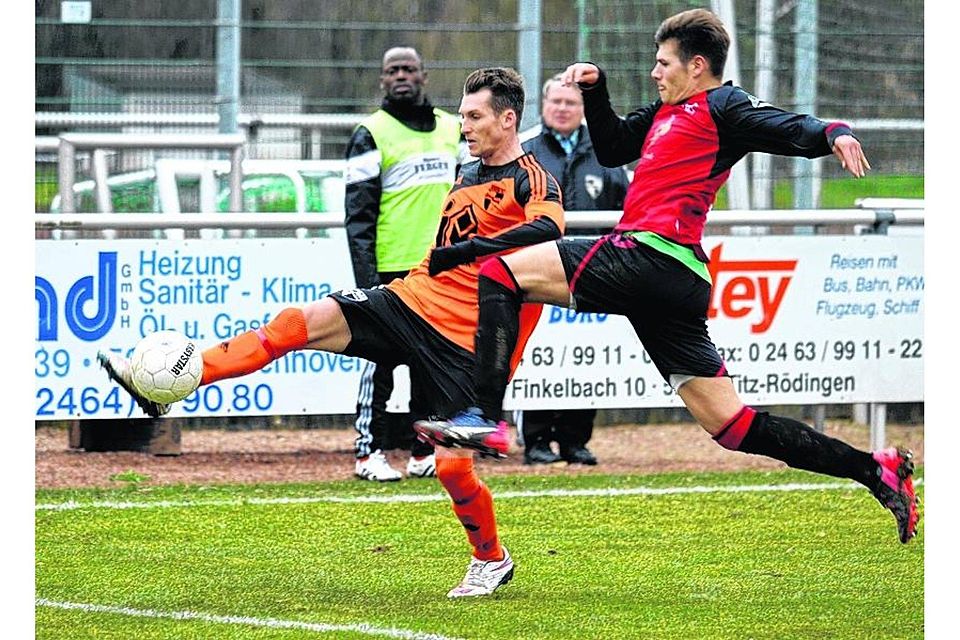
x=799 y=320
x=105 y=295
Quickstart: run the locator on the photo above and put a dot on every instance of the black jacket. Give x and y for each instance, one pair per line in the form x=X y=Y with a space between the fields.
x=585 y=184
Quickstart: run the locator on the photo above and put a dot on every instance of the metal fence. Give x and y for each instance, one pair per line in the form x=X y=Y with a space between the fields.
x=318 y=57
x=156 y=65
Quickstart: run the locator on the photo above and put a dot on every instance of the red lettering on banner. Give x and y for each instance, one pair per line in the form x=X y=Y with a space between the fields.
x=758 y=285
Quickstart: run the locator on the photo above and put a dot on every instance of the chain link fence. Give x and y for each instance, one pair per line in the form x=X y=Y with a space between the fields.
x=307 y=57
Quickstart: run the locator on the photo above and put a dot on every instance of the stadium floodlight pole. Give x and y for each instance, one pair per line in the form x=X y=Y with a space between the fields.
x=583 y=31
x=530 y=25
x=738 y=187
x=805 y=91
x=765 y=88
x=228 y=81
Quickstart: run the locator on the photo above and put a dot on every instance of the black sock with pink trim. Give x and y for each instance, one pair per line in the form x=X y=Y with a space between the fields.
x=500 y=298
x=797 y=444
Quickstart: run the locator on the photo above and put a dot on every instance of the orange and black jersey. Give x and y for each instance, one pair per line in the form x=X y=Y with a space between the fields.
x=496 y=209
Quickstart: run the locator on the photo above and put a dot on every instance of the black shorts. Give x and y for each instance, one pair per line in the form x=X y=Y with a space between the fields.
x=664 y=300
x=388 y=332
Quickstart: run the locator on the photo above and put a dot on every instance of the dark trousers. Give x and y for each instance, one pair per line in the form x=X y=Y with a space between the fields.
x=570 y=428
x=376 y=428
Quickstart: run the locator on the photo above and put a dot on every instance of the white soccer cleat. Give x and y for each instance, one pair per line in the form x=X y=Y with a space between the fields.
x=377 y=469
x=426 y=467
x=118 y=369
x=484 y=577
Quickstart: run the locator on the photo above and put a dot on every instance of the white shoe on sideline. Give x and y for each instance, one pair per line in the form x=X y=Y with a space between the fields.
x=425 y=467
x=376 y=468
x=484 y=577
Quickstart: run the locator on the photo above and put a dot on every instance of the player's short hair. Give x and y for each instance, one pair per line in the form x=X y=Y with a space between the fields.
x=505 y=85
x=697 y=32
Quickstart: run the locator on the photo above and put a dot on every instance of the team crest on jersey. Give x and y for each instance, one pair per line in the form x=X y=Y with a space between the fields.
x=691 y=107
x=494 y=194
x=661 y=130
x=594 y=185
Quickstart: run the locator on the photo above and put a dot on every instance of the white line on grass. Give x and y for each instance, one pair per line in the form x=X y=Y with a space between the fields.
x=414 y=498
x=319 y=627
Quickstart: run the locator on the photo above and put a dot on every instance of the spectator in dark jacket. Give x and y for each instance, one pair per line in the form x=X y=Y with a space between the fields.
x=562 y=145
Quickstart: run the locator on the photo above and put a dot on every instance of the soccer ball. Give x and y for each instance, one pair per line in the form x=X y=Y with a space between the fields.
x=166 y=366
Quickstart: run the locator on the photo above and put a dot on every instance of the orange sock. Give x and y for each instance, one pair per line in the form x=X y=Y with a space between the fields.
x=253 y=350
x=472 y=504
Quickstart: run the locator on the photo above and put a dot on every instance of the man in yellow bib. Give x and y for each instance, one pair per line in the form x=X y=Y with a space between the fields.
x=401 y=162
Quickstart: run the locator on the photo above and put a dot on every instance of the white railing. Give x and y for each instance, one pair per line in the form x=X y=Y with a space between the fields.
x=52 y=120
x=67 y=120
x=69 y=143
x=575 y=219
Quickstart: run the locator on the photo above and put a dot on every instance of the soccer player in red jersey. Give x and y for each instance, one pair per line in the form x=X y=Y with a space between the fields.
x=652 y=268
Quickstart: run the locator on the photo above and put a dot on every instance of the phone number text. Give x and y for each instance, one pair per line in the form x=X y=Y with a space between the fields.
x=114 y=402
x=802 y=351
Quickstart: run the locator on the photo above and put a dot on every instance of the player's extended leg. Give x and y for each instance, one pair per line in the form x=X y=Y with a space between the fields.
x=533 y=274
x=491 y=565
x=480 y=427
x=319 y=325
x=887 y=473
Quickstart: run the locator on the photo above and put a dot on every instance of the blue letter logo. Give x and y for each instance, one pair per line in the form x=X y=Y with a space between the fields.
x=47 y=307
x=86 y=327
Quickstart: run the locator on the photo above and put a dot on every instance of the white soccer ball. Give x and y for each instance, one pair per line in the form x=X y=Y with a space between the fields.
x=166 y=366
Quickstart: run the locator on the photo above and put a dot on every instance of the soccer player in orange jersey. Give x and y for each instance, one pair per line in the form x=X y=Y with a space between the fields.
x=502 y=201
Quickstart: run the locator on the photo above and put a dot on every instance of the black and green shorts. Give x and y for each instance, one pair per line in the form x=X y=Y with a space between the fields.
x=665 y=301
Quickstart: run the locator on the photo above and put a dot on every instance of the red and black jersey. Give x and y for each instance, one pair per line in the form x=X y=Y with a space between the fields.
x=686 y=151
x=498 y=209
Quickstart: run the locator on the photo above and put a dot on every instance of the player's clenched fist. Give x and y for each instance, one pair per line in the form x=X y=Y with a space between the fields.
x=584 y=73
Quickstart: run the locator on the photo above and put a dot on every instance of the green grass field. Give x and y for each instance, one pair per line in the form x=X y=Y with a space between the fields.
x=843 y=193
x=662 y=556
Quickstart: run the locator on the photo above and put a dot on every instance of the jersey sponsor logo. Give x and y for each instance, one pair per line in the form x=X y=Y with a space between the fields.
x=419 y=170
x=749 y=289
x=431 y=164
x=661 y=130
x=656 y=134
x=691 y=107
